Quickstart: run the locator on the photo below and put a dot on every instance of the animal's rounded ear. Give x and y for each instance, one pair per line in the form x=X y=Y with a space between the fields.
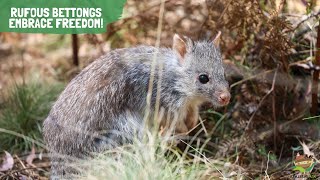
x=216 y=39
x=180 y=46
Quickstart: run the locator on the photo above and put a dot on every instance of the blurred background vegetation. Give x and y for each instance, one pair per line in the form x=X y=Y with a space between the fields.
x=269 y=50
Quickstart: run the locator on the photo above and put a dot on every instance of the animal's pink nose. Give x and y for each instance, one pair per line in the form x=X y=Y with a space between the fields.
x=224 y=98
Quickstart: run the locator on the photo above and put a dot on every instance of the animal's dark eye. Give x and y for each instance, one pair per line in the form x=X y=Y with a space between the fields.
x=203 y=78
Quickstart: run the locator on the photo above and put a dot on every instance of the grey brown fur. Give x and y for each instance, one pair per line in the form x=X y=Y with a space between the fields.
x=104 y=105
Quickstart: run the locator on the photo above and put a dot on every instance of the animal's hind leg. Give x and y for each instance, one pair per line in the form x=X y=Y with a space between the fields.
x=125 y=128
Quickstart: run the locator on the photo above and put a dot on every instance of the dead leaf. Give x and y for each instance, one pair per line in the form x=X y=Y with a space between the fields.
x=40 y=155
x=31 y=157
x=306 y=149
x=7 y=162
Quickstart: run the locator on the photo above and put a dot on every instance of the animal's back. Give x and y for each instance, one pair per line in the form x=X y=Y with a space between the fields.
x=93 y=102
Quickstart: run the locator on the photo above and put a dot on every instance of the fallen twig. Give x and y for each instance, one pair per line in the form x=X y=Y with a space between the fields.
x=314 y=107
x=259 y=105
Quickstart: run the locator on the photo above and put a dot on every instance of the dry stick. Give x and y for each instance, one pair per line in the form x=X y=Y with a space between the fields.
x=314 y=107
x=249 y=78
x=23 y=67
x=266 y=171
x=20 y=161
x=75 y=49
x=281 y=151
x=275 y=129
x=260 y=104
x=312 y=15
x=152 y=72
x=157 y=105
x=153 y=67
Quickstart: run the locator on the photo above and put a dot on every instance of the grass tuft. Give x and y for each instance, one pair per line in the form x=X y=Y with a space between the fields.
x=23 y=112
x=155 y=160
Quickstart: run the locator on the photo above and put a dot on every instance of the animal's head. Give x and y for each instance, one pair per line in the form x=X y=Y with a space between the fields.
x=202 y=65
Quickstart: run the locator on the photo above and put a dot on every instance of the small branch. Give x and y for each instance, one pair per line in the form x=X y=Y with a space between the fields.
x=275 y=128
x=259 y=105
x=75 y=49
x=249 y=78
x=314 y=107
x=311 y=15
x=266 y=171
